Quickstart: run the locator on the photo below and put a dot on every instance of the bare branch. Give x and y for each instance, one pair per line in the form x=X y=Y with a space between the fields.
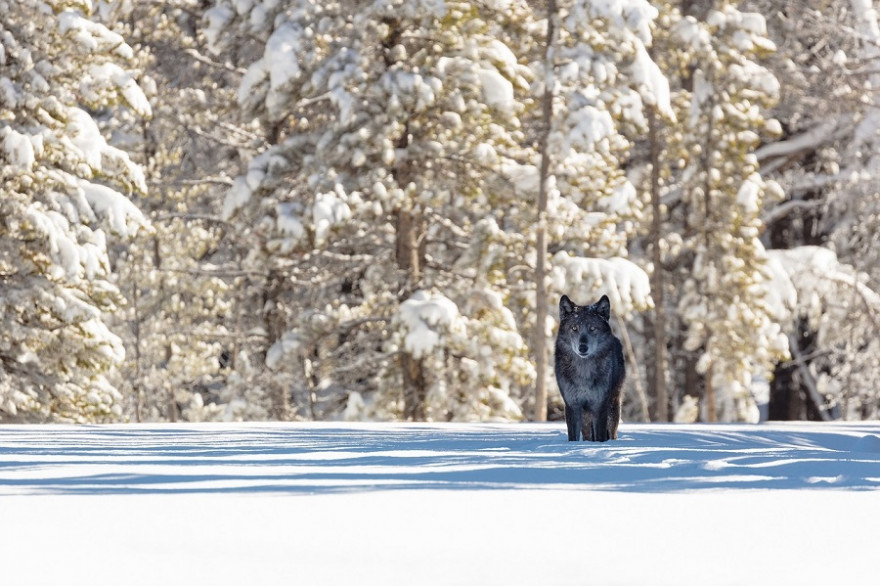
x=208 y=61
x=809 y=381
x=784 y=209
x=192 y=182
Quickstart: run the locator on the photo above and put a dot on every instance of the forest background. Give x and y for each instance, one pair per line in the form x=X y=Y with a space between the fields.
x=367 y=209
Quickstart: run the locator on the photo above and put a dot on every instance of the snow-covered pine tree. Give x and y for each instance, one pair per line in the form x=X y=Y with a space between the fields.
x=722 y=303
x=854 y=200
x=831 y=317
x=389 y=124
x=62 y=194
x=824 y=158
x=603 y=80
x=826 y=161
x=178 y=324
x=650 y=170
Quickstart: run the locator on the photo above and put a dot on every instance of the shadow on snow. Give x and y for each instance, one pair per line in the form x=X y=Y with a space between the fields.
x=333 y=458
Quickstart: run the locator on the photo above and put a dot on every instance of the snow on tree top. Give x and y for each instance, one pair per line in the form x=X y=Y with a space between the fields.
x=426 y=316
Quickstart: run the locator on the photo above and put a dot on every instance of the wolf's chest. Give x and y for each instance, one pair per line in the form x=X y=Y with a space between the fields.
x=582 y=382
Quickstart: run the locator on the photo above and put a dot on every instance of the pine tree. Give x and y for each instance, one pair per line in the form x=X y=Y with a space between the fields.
x=831 y=317
x=825 y=159
x=179 y=279
x=63 y=192
x=604 y=82
x=388 y=140
x=722 y=304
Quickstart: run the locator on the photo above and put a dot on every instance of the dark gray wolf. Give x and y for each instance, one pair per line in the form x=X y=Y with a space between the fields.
x=589 y=370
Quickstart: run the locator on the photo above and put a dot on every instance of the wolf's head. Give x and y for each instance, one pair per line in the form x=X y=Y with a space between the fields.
x=584 y=328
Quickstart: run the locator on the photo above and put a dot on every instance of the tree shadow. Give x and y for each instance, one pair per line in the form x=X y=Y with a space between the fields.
x=341 y=458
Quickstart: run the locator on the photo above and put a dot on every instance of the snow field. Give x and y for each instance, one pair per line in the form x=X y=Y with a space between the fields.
x=438 y=504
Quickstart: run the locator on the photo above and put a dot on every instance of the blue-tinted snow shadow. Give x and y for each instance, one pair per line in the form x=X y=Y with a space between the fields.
x=313 y=459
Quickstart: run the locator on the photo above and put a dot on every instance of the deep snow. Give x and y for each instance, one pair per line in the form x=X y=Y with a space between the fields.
x=338 y=503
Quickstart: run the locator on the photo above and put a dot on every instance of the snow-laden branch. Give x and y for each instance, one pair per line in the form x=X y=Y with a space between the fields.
x=805 y=142
x=784 y=209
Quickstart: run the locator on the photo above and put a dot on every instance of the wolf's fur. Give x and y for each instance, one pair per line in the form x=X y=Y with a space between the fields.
x=589 y=370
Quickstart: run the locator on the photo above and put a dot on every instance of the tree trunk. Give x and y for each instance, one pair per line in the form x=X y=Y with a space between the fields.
x=172 y=411
x=409 y=259
x=541 y=301
x=408 y=251
x=658 y=381
x=812 y=389
x=409 y=245
x=414 y=388
x=137 y=384
x=691 y=376
x=540 y=413
x=709 y=398
x=633 y=372
x=273 y=322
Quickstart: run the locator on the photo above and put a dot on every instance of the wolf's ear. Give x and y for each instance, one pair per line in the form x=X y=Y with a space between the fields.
x=565 y=306
x=603 y=307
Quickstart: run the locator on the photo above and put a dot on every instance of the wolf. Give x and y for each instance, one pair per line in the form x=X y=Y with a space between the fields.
x=589 y=370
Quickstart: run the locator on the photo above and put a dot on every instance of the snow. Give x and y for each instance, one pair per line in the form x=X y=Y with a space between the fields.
x=620 y=200
x=587 y=126
x=426 y=317
x=343 y=503
x=92 y=35
x=525 y=179
x=86 y=137
x=748 y=196
x=586 y=279
x=498 y=52
x=18 y=148
x=652 y=81
x=8 y=92
x=807 y=265
x=282 y=49
x=237 y=197
x=329 y=210
x=636 y=15
x=756 y=77
x=122 y=215
x=254 y=77
x=217 y=19
x=497 y=91
x=64 y=249
x=283 y=349
x=288 y=220
x=111 y=74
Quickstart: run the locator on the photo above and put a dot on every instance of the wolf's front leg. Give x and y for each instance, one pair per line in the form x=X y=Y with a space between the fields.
x=573 y=422
x=600 y=426
x=587 y=425
x=613 y=419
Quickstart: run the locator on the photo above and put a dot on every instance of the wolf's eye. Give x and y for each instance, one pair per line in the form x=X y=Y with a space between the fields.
x=592 y=328
x=574 y=328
